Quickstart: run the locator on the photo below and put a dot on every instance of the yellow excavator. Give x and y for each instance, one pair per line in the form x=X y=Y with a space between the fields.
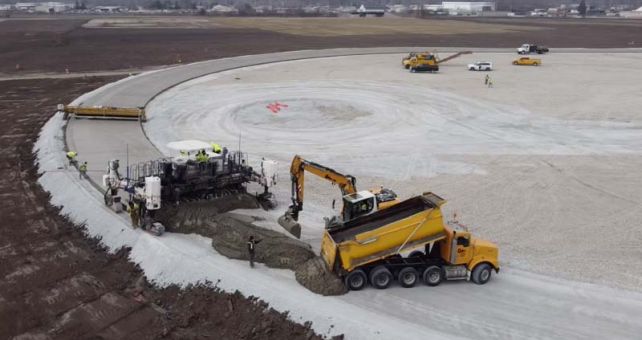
x=426 y=61
x=355 y=203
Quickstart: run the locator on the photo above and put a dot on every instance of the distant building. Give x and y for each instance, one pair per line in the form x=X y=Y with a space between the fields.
x=635 y=14
x=222 y=9
x=44 y=7
x=26 y=6
x=109 y=9
x=468 y=7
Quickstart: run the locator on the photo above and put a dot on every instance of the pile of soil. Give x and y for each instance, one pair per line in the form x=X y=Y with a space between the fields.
x=55 y=283
x=230 y=232
x=315 y=276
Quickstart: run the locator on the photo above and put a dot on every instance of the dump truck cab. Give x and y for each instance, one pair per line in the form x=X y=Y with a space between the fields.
x=461 y=248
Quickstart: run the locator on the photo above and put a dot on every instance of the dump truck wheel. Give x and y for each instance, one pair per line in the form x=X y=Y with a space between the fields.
x=481 y=274
x=380 y=277
x=356 y=280
x=407 y=66
x=535 y=64
x=433 y=276
x=408 y=277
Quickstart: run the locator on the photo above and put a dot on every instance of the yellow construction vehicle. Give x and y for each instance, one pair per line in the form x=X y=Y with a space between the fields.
x=369 y=248
x=103 y=112
x=355 y=203
x=426 y=61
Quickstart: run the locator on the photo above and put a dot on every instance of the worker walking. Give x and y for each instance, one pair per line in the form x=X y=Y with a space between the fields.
x=251 y=246
x=71 y=156
x=82 y=170
x=132 y=209
x=486 y=79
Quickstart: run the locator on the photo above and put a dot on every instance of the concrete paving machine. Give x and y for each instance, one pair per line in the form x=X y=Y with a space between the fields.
x=355 y=203
x=103 y=112
x=190 y=176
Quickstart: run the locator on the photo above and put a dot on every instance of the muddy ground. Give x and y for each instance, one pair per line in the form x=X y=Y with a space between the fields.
x=69 y=46
x=54 y=283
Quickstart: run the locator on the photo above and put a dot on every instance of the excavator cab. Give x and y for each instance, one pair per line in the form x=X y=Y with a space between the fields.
x=358 y=204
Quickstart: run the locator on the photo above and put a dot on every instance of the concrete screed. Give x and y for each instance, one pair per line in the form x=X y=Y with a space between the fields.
x=522 y=167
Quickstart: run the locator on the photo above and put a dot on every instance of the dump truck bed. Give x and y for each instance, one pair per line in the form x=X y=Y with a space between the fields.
x=406 y=225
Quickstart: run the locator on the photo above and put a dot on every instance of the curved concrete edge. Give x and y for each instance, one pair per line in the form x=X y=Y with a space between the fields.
x=98 y=142
x=137 y=91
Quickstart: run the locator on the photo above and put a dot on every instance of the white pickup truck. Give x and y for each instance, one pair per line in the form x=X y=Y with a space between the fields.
x=481 y=66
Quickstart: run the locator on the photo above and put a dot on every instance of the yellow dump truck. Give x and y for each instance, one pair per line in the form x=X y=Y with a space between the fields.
x=369 y=248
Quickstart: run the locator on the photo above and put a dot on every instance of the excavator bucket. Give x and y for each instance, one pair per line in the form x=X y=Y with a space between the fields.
x=290 y=224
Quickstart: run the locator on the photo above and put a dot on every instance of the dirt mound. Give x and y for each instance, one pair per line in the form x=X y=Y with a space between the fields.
x=315 y=276
x=229 y=232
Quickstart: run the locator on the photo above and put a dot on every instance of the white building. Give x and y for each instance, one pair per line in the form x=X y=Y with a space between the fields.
x=468 y=7
x=635 y=14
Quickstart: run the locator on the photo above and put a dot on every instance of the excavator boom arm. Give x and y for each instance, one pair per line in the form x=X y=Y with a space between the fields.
x=299 y=166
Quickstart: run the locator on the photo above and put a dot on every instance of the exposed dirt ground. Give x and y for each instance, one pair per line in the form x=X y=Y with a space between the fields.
x=68 y=45
x=54 y=283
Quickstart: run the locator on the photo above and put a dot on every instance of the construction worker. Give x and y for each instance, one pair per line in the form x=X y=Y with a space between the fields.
x=184 y=153
x=486 y=79
x=132 y=209
x=202 y=157
x=251 y=246
x=71 y=156
x=490 y=82
x=216 y=148
x=83 y=170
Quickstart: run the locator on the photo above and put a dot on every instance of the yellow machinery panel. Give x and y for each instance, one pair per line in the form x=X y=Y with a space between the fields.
x=104 y=112
x=408 y=225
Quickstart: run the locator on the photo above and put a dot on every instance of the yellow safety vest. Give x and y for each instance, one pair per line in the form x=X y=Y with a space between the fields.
x=216 y=148
x=72 y=154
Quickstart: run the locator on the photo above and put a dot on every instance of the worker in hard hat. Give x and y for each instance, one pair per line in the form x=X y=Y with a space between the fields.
x=71 y=156
x=83 y=170
x=202 y=157
x=216 y=148
x=132 y=209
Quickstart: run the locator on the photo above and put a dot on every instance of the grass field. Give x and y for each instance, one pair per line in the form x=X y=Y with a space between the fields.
x=320 y=27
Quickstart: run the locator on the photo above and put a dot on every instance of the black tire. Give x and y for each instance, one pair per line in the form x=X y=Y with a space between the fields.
x=380 y=277
x=433 y=276
x=406 y=66
x=356 y=280
x=481 y=273
x=471 y=69
x=408 y=277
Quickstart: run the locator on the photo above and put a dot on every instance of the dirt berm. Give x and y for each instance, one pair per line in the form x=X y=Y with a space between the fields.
x=229 y=233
